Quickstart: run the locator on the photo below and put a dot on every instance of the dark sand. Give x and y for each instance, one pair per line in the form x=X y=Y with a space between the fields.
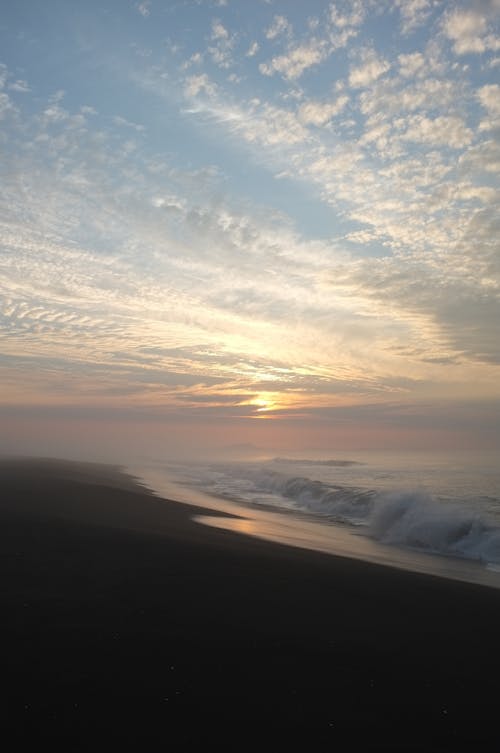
x=123 y=619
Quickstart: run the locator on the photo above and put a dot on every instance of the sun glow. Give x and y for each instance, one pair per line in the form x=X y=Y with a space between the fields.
x=263 y=405
x=264 y=402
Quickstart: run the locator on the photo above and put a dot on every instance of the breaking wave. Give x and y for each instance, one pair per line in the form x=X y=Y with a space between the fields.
x=340 y=503
x=416 y=520
x=410 y=519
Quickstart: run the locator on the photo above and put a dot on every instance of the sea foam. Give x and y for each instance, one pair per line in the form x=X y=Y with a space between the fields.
x=406 y=518
x=416 y=520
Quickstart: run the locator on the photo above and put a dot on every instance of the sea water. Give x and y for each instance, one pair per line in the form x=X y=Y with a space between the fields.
x=436 y=513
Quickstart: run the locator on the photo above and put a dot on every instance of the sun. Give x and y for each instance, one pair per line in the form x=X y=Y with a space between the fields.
x=263 y=405
x=263 y=402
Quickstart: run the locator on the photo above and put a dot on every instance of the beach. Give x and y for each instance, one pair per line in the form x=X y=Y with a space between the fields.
x=125 y=618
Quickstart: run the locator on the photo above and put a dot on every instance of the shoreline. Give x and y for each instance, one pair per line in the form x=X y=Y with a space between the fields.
x=124 y=617
x=306 y=532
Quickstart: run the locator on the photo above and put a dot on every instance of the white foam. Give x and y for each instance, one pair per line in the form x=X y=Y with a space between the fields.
x=416 y=520
x=409 y=519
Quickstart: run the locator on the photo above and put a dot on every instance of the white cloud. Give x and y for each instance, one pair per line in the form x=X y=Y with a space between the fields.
x=469 y=31
x=414 y=13
x=369 y=71
x=201 y=83
x=411 y=65
x=489 y=96
x=484 y=157
x=256 y=122
x=252 y=50
x=340 y=28
x=54 y=114
x=195 y=59
x=354 y=17
x=380 y=135
x=219 y=31
x=344 y=25
x=319 y=113
x=340 y=39
x=280 y=25
x=297 y=60
x=388 y=98
x=343 y=163
x=268 y=125
x=169 y=202
x=144 y=8
x=20 y=86
x=221 y=51
x=119 y=121
x=460 y=24
x=220 y=57
x=6 y=105
x=444 y=130
x=57 y=97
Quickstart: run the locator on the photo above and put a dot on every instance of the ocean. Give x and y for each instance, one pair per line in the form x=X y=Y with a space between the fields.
x=437 y=513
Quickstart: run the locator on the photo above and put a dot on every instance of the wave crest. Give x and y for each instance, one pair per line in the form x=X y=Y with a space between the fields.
x=410 y=519
x=406 y=518
x=414 y=519
x=340 y=503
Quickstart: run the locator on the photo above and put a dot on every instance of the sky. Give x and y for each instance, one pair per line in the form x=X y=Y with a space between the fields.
x=263 y=222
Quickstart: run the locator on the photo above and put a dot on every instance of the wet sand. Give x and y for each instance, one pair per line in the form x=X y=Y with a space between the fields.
x=128 y=625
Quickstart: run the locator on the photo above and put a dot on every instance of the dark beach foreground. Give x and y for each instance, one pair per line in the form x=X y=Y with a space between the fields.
x=126 y=625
